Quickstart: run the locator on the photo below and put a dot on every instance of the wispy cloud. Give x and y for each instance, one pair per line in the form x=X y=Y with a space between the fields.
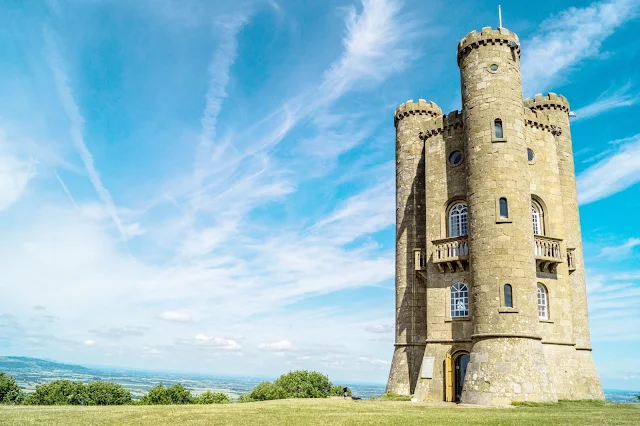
x=564 y=40
x=282 y=345
x=622 y=251
x=611 y=300
x=14 y=177
x=612 y=174
x=175 y=316
x=65 y=92
x=608 y=101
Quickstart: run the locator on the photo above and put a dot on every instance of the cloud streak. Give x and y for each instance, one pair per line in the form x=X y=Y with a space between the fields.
x=564 y=40
x=609 y=101
x=611 y=174
x=63 y=87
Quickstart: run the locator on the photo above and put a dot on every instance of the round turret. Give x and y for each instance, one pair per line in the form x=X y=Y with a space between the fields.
x=500 y=237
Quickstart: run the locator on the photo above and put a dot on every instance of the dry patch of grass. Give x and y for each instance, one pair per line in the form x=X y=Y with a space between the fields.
x=309 y=412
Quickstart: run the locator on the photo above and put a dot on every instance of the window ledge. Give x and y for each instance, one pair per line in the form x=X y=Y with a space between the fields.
x=546 y=321
x=504 y=220
x=463 y=319
x=508 y=310
x=496 y=140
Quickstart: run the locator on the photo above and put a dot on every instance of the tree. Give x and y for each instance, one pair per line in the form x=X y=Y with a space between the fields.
x=10 y=393
x=305 y=384
x=267 y=391
x=212 y=398
x=159 y=395
x=107 y=393
x=59 y=392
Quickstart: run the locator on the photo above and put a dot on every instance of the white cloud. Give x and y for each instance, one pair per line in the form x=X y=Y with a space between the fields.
x=175 y=316
x=566 y=39
x=608 y=101
x=612 y=174
x=621 y=251
x=282 y=345
x=63 y=87
x=380 y=328
x=89 y=342
x=218 y=342
x=14 y=177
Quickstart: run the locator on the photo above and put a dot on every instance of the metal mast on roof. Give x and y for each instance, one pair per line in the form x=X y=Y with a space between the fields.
x=499 y=16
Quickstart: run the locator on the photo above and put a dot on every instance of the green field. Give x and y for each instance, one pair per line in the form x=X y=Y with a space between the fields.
x=309 y=412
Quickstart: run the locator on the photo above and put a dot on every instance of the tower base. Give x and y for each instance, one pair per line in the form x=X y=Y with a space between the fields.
x=506 y=369
x=405 y=368
x=573 y=373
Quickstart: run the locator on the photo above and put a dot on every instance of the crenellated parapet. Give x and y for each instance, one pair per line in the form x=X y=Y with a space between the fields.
x=439 y=124
x=550 y=101
x=539 y=120
x=422 y=107
x=487 y=36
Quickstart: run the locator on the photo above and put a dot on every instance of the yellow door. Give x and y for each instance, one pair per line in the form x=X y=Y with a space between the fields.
x=448 y=378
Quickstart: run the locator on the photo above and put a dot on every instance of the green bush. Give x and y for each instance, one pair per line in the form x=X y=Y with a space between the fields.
x=159 y=395
x=59 y=392
x=10 y=393
x=305 y=384
x=338 y=391
x=295 y=384
x=267 y=391
x=107 y=393
x=212 y=398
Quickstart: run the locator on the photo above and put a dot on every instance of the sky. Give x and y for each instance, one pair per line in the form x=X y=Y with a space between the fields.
x=208 y=186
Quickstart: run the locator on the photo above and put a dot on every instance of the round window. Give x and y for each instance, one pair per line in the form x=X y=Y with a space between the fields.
x=530 y=155
x=493 y=67
x=455 y=158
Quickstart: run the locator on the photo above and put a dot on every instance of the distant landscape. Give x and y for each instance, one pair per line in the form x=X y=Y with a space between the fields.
x=29 y=372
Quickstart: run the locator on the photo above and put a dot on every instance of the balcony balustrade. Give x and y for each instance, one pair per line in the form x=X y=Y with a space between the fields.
x=451 y=252
x=548 y=253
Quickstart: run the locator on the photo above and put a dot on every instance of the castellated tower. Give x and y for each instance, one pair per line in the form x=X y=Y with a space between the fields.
x=490 y=290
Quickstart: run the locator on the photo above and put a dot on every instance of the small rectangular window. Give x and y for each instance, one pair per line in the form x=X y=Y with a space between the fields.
x=508 y=298
x=498 y=129
x=504 y=208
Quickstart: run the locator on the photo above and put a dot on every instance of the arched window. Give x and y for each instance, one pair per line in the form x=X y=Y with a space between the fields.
x=459 y=300
x=543 y=302
x=458 y=224
x=537 y=217
x=497 y=125
x=504 y=208
x=508 y=296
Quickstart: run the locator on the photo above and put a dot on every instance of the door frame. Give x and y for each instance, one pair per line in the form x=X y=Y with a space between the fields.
x=450 y=373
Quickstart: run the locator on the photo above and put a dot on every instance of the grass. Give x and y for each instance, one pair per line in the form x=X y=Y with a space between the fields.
x=310 y=412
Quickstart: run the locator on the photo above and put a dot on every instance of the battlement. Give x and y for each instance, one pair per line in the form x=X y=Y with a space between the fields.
x=421 y=107
x=487 y=35
x=548 y=101
x=539 y=120
x=441 y=123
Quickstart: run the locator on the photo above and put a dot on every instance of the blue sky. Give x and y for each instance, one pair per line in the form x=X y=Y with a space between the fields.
x=209 y=186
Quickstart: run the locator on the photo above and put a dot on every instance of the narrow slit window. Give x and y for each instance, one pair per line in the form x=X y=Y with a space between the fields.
x=508 y=297
x=497 y=125
x=504 y=208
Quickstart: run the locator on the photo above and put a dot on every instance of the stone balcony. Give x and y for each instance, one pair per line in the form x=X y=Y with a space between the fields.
x=571 y=259
x=548 y=253
x=451 y=252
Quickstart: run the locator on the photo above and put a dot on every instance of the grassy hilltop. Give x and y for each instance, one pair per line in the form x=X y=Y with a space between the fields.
x=309 y=412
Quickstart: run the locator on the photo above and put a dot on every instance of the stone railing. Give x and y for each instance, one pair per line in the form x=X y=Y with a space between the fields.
x=452 y=252
x=571 y=259
x=420 y=260
x=548 y=252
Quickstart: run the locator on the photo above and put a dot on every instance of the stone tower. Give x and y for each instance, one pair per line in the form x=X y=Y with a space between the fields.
x=490 y=290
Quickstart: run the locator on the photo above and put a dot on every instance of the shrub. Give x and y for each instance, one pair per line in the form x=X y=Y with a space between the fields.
x=338 y=391
x=58 y=392
x=304 y=384
x=159 y=395
x=107 y=393
x=212 y=398
x=295 y=384
x=267 y=391
x=10 y=393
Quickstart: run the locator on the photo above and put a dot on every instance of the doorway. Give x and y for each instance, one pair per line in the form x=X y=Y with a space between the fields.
x=455 y=370
x=460 y=369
